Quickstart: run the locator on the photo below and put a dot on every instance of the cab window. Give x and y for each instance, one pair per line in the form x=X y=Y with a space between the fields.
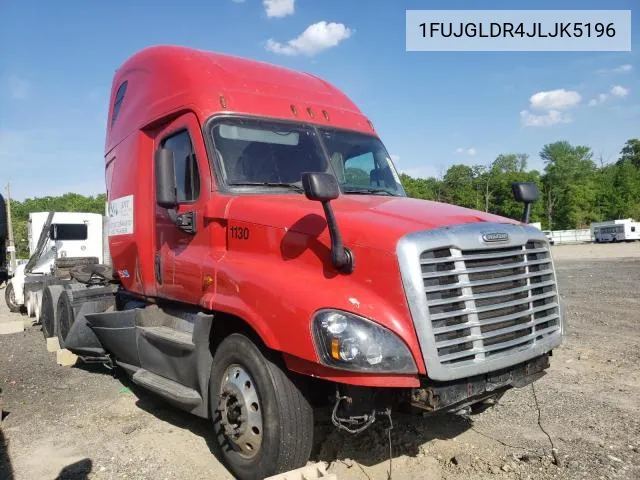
x=185 y=166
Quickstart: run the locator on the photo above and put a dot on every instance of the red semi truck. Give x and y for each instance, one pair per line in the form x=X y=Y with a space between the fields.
x=267 y=262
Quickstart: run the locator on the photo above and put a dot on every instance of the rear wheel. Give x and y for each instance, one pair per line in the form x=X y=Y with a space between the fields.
x=10 y=298
x=263 y=423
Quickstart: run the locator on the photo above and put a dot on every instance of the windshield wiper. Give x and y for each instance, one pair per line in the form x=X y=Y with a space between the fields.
x=291 y=186
x=369 y=191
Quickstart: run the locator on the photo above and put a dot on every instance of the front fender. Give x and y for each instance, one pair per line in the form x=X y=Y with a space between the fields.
x=278 y=298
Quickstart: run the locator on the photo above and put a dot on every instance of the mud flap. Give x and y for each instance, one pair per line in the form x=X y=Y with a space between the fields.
x=116 y=332
x=82 y=341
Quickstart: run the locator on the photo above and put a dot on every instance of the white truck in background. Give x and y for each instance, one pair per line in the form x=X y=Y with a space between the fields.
x=58 y=241
x=622 y=230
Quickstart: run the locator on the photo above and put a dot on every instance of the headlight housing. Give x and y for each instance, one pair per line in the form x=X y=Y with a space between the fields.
x=350 y=342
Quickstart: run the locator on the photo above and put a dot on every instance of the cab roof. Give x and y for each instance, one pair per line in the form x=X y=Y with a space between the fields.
x=159 y=82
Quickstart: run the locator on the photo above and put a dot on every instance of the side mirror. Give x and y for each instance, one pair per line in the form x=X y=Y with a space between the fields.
x=322 y=187
x=165 y=179
x=526 y=193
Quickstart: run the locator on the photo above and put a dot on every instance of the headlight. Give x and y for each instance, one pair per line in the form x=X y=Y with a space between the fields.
x=349 y=342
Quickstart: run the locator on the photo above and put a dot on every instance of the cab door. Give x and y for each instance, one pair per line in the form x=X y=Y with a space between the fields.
x=181 y=243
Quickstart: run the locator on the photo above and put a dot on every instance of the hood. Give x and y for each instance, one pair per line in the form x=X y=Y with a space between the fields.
x=368 y=220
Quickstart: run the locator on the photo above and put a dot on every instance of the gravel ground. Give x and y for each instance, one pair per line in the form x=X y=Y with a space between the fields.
x=82 y=422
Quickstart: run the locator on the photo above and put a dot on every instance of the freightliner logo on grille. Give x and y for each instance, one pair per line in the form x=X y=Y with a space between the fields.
x=495 y=237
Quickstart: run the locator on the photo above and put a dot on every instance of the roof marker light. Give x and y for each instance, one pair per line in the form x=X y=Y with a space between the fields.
x=223 y=102
x=325 y=114
x=310 y=112
x=294 y=110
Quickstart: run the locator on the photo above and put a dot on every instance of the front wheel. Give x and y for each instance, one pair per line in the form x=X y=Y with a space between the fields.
x=10 y=298
x=263 y=423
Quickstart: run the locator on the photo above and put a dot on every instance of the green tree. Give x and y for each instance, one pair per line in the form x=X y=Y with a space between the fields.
x=626 y=190
x=631 y=152
x=459 y=186
x=423 y=188
x=569 y=185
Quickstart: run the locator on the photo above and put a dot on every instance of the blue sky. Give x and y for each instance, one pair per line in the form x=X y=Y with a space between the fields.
x=432 y=109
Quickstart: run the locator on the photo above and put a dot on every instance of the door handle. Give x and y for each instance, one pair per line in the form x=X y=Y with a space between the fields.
x=186 y=222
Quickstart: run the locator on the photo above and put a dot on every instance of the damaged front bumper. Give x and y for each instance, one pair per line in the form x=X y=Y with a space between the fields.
x=456 y=395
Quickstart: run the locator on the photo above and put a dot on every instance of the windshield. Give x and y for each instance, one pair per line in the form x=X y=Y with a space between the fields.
x=260 y=153
x=360 y=163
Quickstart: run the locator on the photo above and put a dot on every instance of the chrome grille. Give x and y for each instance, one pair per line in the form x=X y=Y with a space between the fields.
x=488 y=302
x=477 y=306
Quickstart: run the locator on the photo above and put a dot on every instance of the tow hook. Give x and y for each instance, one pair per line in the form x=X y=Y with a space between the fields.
x=355 y=424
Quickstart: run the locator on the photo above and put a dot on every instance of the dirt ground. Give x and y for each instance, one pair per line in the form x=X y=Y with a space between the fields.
x=83 y=422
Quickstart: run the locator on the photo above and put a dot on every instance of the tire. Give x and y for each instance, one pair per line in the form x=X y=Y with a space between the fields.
x=68 y=262
x=85 y=273
x=64 y=317
x=10 y=298
x=286 y=415
x=48 y=307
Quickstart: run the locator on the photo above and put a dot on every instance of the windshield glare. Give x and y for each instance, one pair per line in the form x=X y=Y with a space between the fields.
x=276 y=154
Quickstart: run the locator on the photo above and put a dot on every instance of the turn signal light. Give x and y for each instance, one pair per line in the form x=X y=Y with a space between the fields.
x=207 y=281
x=335 y=349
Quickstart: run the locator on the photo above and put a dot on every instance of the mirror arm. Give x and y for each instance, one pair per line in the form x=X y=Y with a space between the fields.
x=341 y=257
x=526 y=213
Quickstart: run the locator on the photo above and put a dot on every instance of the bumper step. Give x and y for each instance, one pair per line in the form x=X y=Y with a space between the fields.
x=168 y=336
x=166 y=388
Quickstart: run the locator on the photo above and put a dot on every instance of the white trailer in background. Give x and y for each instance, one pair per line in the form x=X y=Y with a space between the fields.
x=57 y=242
x=623 y=230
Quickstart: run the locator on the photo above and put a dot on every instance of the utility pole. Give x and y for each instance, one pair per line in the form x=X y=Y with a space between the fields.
x=11 y=248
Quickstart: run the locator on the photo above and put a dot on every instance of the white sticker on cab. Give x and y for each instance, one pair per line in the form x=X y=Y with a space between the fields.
x=121 y=216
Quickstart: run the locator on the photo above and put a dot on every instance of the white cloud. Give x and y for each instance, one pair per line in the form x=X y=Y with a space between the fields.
x=623 y=68
x=316 y=38
x=19 y=88
x=626 y=68
x=395 y=158
x=601 y=98
x=560 y=99
x=469 y=152
x=278 y=8
x=619 y=91
x=552 y=117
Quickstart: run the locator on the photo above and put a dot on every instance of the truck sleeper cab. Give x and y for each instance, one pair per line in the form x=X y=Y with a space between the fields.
x=266 y=251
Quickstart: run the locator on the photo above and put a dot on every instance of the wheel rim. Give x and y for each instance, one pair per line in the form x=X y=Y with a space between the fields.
x=240 y=411
x=12 y=297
